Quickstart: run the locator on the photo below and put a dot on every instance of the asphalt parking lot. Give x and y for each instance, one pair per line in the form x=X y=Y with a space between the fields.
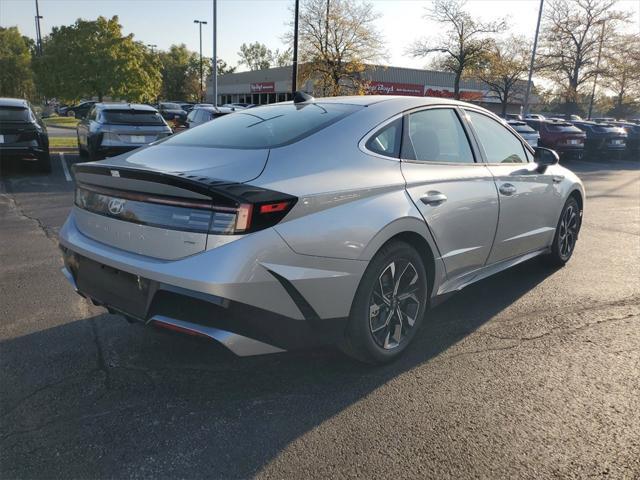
x=533 y=373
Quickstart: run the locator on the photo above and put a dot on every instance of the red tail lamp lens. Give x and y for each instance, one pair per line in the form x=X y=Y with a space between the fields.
x=274 y=207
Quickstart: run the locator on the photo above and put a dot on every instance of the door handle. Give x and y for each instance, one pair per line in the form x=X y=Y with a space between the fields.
x=433 y=198
x=507 y=189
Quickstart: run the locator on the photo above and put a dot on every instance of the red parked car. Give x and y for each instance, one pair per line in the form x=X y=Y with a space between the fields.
x=561 y=136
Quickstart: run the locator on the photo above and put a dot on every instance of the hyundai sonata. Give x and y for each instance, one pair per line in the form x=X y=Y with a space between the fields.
x=336 y=220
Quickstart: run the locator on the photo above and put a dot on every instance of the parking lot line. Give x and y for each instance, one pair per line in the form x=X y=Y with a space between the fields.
x=67 y=175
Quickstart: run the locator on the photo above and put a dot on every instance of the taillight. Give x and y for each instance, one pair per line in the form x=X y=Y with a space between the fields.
x=197 y=216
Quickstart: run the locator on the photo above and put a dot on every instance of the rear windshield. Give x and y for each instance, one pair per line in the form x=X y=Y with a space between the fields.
x=265 y=127
x=563 y=127
x=171 y=106
x=522 y=127
x=131 y=117
x=14 y=114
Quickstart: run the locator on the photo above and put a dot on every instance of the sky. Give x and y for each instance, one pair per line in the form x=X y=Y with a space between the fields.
x=165 y=22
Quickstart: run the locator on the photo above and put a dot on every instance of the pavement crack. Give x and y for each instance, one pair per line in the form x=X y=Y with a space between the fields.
x=48 y=232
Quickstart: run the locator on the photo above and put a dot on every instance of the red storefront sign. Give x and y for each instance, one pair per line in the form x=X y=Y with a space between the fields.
x=392 y=88
x=263 y=87
x=446 y=93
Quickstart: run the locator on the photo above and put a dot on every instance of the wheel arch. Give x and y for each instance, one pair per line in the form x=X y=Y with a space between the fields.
x=414 y=232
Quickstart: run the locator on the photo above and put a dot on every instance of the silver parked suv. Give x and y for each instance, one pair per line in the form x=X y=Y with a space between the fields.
x=331 y=220
x=113 y=128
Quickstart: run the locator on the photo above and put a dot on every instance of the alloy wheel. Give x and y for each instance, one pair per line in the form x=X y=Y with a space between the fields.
x=394 y=304
x=568 y=234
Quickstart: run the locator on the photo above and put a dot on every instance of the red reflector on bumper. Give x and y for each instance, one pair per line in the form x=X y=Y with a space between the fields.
x=176 y=328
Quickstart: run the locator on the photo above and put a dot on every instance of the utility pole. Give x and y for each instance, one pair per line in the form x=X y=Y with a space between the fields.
x=200 y=23
x=533 y=59
x=294 y=73
x=214 y=80
x=38 y=31
x=595 y=77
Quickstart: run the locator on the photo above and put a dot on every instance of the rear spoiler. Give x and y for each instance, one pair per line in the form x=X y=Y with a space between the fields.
x=220 y=191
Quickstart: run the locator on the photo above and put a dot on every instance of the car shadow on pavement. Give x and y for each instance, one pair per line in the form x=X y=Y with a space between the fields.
x=100 y=398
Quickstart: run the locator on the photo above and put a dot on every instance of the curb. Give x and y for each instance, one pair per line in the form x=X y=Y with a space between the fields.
x=64 y=127
x=63 y=149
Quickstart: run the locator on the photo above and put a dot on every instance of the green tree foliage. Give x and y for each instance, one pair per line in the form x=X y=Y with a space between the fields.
x=256 y=56
x=93 y=58
x=16 y=77
x=181 y=73
x=504 y=69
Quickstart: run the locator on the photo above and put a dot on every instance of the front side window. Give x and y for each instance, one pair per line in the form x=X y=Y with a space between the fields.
x=499 y=144
x=265 y=127
x=436 y=135
x=387 y=140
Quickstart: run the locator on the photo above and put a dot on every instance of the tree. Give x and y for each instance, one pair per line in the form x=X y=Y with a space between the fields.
x=223 y=67
x=282 y=59
x=337 y=38
x=16 y=76
x=93 y=58
x=622 y=75
x=256 y=56
x=505 y=68
x=464 y=43
x=181 y=73
x=570 y=40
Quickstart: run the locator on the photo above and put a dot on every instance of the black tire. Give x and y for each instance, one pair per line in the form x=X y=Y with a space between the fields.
x=567 y=231
x=44 y=163
x=387 y=343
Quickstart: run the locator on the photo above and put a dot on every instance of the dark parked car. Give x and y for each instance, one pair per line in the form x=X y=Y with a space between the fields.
x=603 y=137
x=525 y=131
x=173 y=112
x=22 y=133
x=633 y=135
x=113 y=128
x=78 y=111
x=200 y=115
x=563 y=137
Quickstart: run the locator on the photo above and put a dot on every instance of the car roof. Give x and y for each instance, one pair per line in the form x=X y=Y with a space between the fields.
x=366 y=100
x=13 y=102
x=125 y=106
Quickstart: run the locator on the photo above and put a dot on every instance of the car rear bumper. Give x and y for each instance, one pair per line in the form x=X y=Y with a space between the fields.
x=18 y=150
x=255 y=287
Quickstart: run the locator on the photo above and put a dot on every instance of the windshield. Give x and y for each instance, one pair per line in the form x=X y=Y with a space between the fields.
x=14 y=114
x=264 y=127
x=132 y=117
x=171 y=106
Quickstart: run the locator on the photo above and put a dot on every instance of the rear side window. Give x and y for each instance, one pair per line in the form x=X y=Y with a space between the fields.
x=132 y=117
x=387 y=140
x=265 y=127
x=436 y=135
x=499 y=144
x=14 y=114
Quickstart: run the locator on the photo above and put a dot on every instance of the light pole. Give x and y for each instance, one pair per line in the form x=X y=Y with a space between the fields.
x=595 y=77
x=38 y=31
x=294 y=73
x=525 y=110
x=214 y=80
x=200 y=23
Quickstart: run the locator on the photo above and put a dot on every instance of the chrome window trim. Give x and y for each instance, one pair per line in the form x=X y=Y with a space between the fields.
x=363 y=141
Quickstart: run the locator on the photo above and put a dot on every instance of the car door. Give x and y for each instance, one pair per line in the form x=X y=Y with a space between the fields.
x=528 y=196
x=455 y=193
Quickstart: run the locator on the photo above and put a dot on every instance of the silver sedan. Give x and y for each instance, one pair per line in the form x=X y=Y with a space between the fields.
x=337 y=220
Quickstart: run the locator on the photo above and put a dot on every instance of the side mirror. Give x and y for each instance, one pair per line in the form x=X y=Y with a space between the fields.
x=545 y=157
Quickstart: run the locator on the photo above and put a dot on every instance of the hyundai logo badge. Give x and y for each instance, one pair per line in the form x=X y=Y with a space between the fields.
x=115 y=173
x=116 y=205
